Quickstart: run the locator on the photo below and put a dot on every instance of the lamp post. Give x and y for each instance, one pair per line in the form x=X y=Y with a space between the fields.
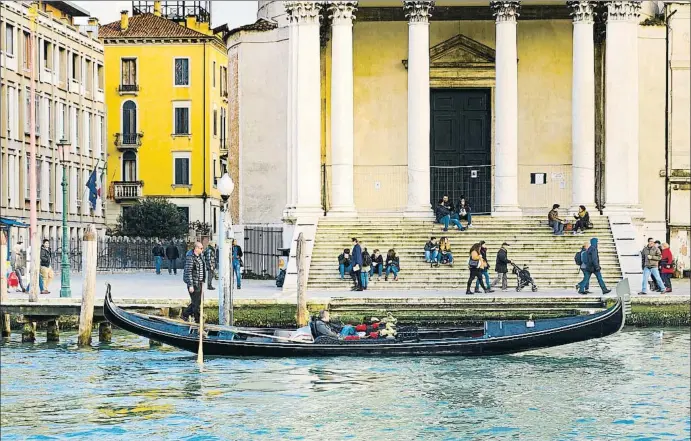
x=225 y=265
x=65 y=290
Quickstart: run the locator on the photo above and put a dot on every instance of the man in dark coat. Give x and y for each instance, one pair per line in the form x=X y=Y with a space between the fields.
x=158 y=253
x=194 y=276
x=172 y=254
x=593 y=267
x=356 y=261
x=502 y=267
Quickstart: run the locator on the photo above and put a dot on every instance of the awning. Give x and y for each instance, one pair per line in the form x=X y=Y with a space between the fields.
x=6 y=222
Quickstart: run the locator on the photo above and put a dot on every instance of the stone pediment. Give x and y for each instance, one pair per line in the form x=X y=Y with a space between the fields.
x=460 y=52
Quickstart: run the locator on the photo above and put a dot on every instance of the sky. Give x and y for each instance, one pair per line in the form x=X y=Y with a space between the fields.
x=235 y=13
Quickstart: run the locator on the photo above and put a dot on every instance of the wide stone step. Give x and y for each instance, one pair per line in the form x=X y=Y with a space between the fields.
x=448 y=300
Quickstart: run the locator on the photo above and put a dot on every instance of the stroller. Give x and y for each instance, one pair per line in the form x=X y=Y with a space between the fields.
x=524 y=278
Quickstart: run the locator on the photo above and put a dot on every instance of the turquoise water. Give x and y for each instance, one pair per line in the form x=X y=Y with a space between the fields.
x=631 y=386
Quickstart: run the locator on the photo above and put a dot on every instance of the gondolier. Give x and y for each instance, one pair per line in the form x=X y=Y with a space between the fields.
x=194 y=276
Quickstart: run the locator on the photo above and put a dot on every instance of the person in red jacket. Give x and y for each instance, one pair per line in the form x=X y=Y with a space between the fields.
x=666 y=266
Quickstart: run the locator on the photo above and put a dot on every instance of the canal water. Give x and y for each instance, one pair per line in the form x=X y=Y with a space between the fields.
x=630 y=386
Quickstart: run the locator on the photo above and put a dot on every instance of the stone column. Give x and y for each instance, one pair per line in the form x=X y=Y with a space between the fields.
x=306 y=109
x=418 y=13
x=506 y=110
x=621 y=108
x=342 y=196
x=290 y=121
x=583 y=106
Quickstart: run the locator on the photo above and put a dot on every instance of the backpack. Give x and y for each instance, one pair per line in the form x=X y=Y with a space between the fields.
x=578 y=259
x=366 y=259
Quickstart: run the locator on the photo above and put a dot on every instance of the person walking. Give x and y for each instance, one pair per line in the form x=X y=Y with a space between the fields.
x=210 y=262
x=581 y=259
x=475 y=265
x=593 y=267
x=485 y=271
x=46 y=271
x=667 y=266
x=650 y=260
x=237 y=263
x=502 y=267
x=172 y=254
x=18 y=263
x=194 y=276
x=158 y=253
x=357 y=265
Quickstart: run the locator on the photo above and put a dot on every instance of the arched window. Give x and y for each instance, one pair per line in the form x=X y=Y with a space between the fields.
x=129 y=121
x=129 y=166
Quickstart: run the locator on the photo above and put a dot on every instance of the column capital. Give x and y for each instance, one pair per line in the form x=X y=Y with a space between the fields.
x=418 y=11
x=342 y=12
x=582 y=11
x=506 y=10
x=623 y=10
x=303 y=12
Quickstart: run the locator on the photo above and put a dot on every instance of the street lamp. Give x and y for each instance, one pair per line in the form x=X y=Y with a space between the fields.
x=225 y=266
x=63 y=155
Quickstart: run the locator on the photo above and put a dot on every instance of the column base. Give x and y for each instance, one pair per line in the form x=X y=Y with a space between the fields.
x=293 y=213
x=347 y=211
x=507 y=211
x=623 y=210
x=418 y=213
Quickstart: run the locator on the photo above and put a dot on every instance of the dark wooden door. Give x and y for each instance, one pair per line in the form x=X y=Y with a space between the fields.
x=460 y=149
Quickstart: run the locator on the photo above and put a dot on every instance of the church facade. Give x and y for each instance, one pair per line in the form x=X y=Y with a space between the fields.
x=378 y=108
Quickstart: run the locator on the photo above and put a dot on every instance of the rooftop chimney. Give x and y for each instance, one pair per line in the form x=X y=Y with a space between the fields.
x=191 y=21
x=93 y=21
x=157 y=8
x=124 y=21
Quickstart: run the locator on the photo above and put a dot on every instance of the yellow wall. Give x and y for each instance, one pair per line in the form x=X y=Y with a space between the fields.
x=155 y=114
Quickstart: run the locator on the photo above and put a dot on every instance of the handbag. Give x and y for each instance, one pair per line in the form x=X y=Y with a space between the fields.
x=473 y=263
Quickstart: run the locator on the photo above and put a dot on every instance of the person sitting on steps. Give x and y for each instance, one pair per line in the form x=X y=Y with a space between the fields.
x=555 y=222
x=582 y=220
x=443 y=212
x=344 y=265
x=463 y=211
x=393 y=264
x=377 y=264
x=431 y=250
x=445 y=256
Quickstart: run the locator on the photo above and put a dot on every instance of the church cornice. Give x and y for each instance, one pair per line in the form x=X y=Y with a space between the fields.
x=484 y=54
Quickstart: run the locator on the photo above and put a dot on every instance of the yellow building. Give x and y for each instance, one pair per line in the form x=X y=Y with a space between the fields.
x=167 y=99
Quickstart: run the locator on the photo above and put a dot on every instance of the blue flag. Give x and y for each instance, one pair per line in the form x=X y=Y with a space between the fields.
x=94 y=189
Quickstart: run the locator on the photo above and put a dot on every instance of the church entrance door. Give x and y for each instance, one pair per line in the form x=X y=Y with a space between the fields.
x=460 y=147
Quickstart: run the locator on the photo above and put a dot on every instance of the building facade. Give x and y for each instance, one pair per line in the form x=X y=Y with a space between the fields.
x=69 y=106
x=380 y=108
x=166 y=91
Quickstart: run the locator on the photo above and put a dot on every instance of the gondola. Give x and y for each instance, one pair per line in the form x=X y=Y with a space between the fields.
x=494 y=338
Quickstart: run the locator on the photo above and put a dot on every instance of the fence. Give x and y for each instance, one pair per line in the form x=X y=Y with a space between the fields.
x=474 y=182
x=260 y=253
x=114 y=254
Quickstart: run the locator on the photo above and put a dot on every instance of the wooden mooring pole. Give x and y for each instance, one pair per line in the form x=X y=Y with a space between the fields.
x=105 y=332
x=302 y=282
x=86 y=315
x=53 y=330
x=3 y=283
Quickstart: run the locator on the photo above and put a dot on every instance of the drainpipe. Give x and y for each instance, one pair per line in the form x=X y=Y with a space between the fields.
x=204 y=195
x=668 y=195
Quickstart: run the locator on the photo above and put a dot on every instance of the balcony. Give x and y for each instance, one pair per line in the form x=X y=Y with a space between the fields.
x=127 y=191
x=223 y=149
x=125 y=89
x=128 y=141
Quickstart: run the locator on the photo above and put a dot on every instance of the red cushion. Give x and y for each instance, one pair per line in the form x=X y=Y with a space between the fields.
x=373 y=335
x=361 y=328
x=352 y=337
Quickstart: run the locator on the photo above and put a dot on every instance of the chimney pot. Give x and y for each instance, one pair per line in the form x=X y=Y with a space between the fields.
x=191 y=21
x=124 y=21
x=157 y=8
x=93 y=21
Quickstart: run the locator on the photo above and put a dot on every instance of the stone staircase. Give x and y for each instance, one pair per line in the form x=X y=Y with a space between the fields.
x=550 y=258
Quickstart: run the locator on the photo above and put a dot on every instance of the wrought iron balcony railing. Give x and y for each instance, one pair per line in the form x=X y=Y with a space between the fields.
x=128 y=88
x=128 y=140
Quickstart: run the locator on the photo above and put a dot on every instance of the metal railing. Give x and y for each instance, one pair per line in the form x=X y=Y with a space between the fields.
x=473 y=182
x=128 y=140
x=127 y=190
x=128 y=88
x=260 y=251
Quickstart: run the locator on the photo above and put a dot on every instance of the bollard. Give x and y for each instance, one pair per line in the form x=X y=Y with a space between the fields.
x=86 y=315
x=302 y=282
x=29 y=332
x=53 y=330
x=105 y=332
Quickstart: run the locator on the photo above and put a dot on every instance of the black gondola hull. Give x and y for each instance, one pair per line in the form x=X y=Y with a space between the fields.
x=221 y=341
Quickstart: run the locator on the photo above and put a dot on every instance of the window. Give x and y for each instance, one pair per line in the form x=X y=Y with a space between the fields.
x=213 y=172
x=99 y=73
x=102 y=133
x=27 y=169
x=51 y=123
x=129 y=166
x=182 y=71
x=63 y=121
x=213 y=75
x=538 y=178
x=129 y=72
x=184 y=214
x=62 y=56
x=87 y=130
x=129 y=122
x=182 y=168
x=224 y=80
x=9 y=39
x=89 y=76
x=27 y=50
x=47 y=55
x=76 y=67
x=215 y=122
x=181 y=114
